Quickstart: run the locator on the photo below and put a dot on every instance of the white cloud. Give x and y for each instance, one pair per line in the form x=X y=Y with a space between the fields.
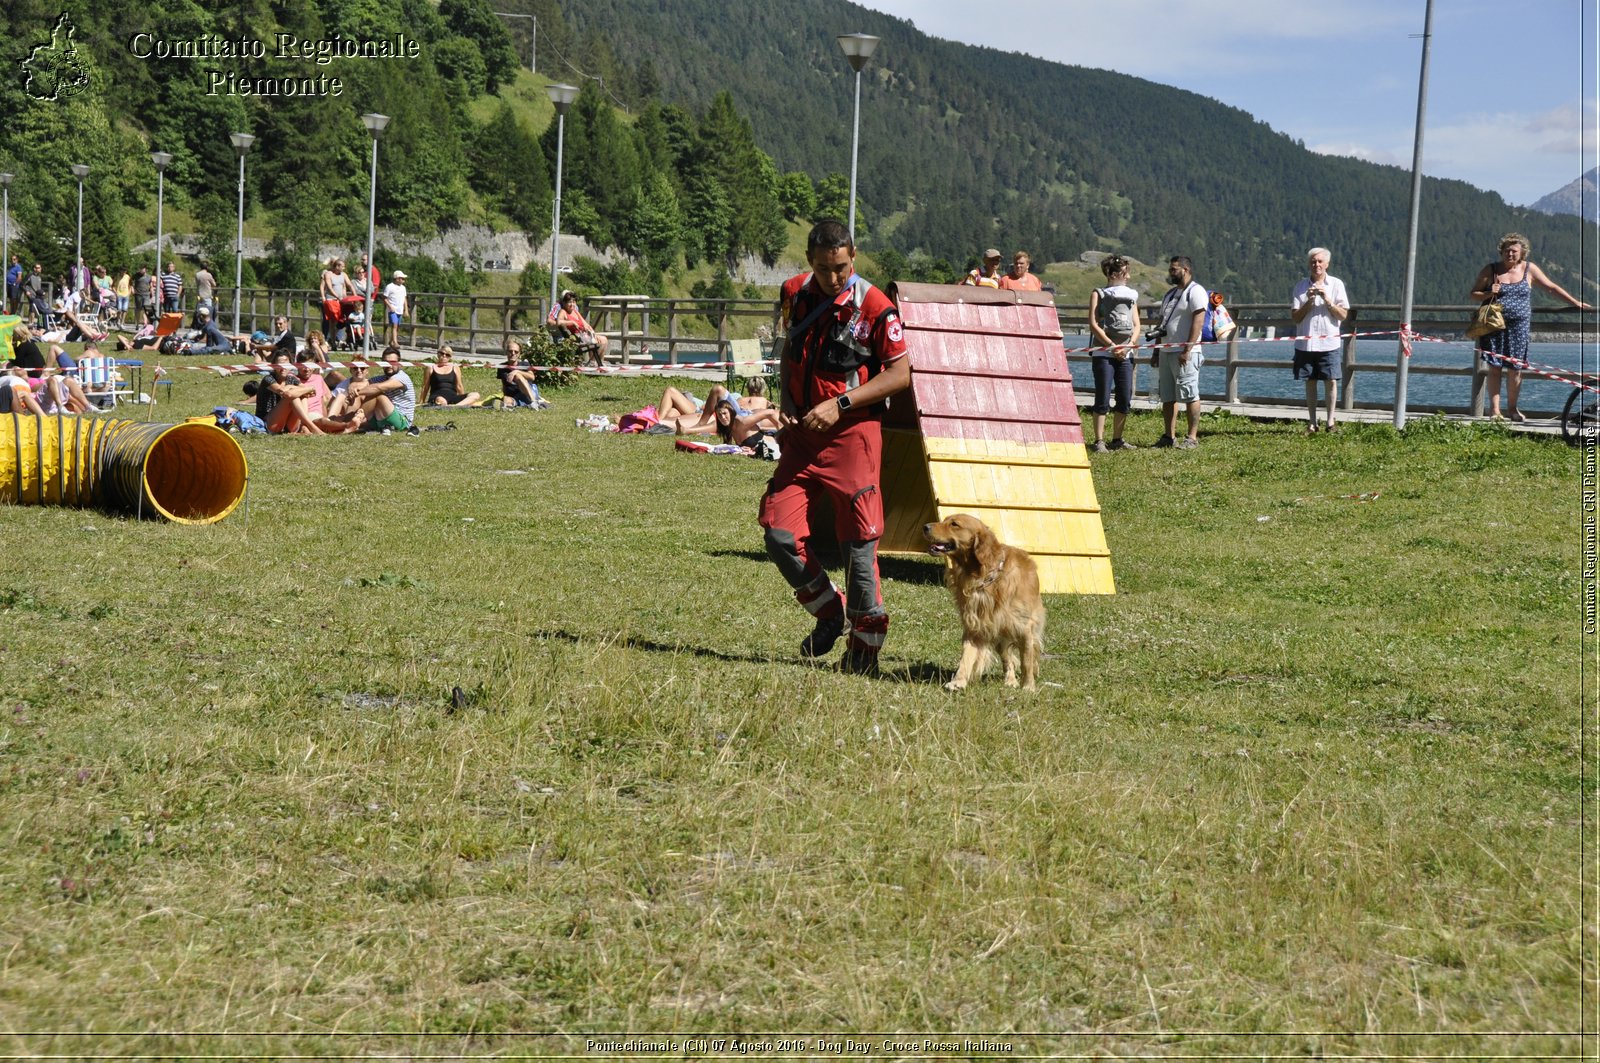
x=1366 y=152
x=1512 y=152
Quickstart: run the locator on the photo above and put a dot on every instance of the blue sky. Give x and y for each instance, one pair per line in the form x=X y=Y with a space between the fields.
x=1511 y=87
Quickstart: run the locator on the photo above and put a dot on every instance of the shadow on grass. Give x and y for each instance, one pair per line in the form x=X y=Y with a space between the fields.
x=908 y=672
x=899 y=569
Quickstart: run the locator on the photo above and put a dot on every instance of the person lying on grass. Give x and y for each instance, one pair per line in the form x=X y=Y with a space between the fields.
x=62 y=394
x=746 y=429
x=688 y=416
x=15 y=394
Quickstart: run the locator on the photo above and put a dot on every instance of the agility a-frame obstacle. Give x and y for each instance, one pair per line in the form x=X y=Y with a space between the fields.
x=990 y=427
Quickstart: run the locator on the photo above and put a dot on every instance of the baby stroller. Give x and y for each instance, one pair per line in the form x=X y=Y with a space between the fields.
x=355 y=322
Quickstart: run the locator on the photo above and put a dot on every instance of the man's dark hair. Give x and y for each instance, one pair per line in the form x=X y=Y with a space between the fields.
x=1181 y=260
x=829 y=234
x=251 y=387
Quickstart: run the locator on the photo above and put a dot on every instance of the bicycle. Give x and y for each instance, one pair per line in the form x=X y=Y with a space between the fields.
x=1580 y=417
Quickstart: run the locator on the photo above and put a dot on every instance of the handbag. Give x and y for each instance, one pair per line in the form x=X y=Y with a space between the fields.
x=1489 y=317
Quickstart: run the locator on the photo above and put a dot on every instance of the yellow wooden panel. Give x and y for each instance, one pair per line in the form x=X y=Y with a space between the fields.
x=907 y=501
x=1001 y=449
x=1024 y=486
x=1075 y=575
x=1036 y=496
x=1042 y=531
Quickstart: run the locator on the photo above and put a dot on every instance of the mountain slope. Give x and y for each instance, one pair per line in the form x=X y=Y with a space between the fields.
x=978 y=147
x=1578 y=197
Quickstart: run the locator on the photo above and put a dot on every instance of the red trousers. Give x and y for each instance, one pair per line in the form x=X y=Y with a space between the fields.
x=843 y=466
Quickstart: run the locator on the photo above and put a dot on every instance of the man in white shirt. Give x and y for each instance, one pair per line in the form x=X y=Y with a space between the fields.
x=394 y=305
x=1318 y=307
x=1183 y=317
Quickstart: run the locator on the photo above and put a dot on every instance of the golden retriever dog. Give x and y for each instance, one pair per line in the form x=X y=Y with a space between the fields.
x=996 y=588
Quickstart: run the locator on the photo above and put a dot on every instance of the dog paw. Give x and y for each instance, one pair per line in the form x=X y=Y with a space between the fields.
x=955 y=684
x=1011 y=681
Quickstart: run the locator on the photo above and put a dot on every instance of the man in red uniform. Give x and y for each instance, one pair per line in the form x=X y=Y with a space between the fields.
x=843 y=355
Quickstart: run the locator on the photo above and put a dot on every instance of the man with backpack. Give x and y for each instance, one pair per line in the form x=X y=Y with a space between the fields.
x=1183 y=317
x=1114 y=324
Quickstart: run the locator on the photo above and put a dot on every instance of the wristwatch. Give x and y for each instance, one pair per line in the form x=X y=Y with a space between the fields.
x=844 y=403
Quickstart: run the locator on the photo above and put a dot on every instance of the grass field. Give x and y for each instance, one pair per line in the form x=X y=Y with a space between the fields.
x=1309 y=784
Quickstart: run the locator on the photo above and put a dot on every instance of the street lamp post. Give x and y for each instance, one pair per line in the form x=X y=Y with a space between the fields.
x=162 y=160
x=5 y=237
x=241 y=145
x=857 y=48
x=375 y=124
x=80 y=171
x=562 y=96
x=1403 y=355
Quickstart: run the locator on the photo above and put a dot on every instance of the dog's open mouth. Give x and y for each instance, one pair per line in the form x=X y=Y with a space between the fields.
x=939 y=549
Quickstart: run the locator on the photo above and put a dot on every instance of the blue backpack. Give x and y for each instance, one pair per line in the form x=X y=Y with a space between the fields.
x=1219 y=324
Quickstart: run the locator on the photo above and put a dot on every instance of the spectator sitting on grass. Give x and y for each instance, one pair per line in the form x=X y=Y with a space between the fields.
x=282 y=340
x=281 y=401
x=389 y=402
x=516 y=383
x=342 y=405
x=441 y=383
x=212 y=339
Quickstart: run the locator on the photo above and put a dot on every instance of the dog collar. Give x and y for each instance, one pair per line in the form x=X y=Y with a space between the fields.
x=991 y=577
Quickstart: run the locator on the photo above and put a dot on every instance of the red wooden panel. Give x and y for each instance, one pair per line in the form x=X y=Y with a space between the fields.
x=988 y=355
x=942 y=394
x=1039 y=321
x=1007 y=431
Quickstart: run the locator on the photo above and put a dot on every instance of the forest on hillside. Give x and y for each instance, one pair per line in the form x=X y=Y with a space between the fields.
x=964 y=147
x=666 y=186
x=698 y=137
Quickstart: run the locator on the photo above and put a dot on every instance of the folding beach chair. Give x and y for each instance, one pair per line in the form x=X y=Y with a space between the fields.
x=102 y=384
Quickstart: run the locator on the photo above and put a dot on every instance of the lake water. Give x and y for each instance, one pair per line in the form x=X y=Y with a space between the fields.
x=1424 y=391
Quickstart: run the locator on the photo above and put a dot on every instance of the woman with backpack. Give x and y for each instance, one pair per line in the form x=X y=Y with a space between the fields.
x=1114 y=323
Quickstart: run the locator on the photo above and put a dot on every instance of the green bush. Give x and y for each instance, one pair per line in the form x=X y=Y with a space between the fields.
x=540 y=350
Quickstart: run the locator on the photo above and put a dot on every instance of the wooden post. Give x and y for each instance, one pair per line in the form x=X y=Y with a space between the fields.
x=622 y=341
x=722 y=337
x=1480 y=384
x=672 y=332
x=438 y=340
x=505 y=325
x=1233 y=368
x=472 y=324
x=1348 y=401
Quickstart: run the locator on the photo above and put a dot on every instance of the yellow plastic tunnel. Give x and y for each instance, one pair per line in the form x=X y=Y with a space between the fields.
x=187 y=473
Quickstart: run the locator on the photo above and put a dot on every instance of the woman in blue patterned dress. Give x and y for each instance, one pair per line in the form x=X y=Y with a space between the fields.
x=1511 y=281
